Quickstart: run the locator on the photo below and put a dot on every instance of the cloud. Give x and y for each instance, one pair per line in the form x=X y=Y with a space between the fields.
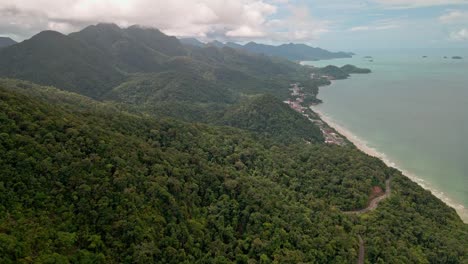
x=454 y=17
x=360 y=28
x=228 y=19
x=245 y=32
x=460 y=35
x=378 y=25
x=280 y=1
x=367 y=28
x=299 y=25
x=417 y=3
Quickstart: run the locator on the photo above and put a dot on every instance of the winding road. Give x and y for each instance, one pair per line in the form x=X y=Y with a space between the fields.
x=374 y=202
x=372 y=206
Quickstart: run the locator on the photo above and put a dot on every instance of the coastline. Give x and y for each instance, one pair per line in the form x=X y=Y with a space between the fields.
x=363 y=146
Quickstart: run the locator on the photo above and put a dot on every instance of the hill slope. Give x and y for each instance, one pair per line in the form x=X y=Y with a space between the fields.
x=101 y=57
x=133 y=49
x=268 y=116
x=104 y=186
x=55 y=59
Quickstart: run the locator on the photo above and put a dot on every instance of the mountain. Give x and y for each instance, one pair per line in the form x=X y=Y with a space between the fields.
x=215 y=43
x=192 y=41
x=132 y=49
x=52 y=58
x=102 y=185
x=151 y=151
x=170 y=86
x=268 y=116
x=234 y=45
x=296 y=52
x=351 y=69
x=291 y=51
x=115 y=55
x=337 y=73
x=5 y=42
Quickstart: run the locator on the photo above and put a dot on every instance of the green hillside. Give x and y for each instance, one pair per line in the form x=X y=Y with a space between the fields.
x=54 y=59
x=121 y=145
x=101 y=57
x=340 y=72
x=132 y=49
x=83 y=182
x=268 y=116
x=170 y=86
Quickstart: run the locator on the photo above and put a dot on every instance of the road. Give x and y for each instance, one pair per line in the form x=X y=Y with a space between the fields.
x=361 y=251
x=374 y=202
x=372 y=206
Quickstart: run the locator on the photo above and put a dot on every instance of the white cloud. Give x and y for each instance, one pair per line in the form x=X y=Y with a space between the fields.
x=367 y=28
x=417 y=3
x=360 y=28
x=378 y=25
x=199 y=18
x=229 y=19
x=460 y=35
x=280 y=1
x=298 y=26
x=454 y=17
x=245 y=32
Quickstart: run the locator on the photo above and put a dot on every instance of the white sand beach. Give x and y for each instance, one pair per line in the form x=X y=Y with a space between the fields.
x=363 y=146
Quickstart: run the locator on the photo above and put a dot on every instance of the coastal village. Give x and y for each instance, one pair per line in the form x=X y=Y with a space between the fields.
x=296 y=102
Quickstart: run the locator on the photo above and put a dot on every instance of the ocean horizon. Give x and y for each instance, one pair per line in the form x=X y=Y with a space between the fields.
x=411 y=111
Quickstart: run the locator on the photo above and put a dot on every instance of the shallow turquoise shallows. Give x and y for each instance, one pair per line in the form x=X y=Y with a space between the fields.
x=412 y=109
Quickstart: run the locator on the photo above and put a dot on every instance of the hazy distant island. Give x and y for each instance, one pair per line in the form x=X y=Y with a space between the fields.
x=457 y=57
x=368 y=57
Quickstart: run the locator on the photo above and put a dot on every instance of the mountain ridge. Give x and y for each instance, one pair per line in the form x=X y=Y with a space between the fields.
x=150 y=151
x=291 y=51
x=6 y=41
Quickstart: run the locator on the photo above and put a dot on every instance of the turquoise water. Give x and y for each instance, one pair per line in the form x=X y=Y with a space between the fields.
x=414 y=110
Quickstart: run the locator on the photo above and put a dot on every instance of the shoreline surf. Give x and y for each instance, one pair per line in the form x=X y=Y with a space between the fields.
x=363 y=146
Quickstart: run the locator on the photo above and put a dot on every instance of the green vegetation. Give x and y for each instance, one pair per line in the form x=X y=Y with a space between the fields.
x=82 y=181
x=351 y=69
x=115 y=168
x=54 y=59
x=132 y=49
x=267 y=116
x=105 y=62
x=100 y=186
x=291 y=51
x=339 y=72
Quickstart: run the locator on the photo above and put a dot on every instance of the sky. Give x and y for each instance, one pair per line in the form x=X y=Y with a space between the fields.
x=332 y=24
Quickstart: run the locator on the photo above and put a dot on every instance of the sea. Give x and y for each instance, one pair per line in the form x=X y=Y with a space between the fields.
x=411 y=111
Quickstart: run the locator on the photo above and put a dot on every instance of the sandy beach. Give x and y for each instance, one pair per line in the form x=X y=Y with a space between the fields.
x=363 y=146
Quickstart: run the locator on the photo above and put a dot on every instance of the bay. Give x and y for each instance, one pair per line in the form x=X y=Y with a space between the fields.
x=411 y=109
